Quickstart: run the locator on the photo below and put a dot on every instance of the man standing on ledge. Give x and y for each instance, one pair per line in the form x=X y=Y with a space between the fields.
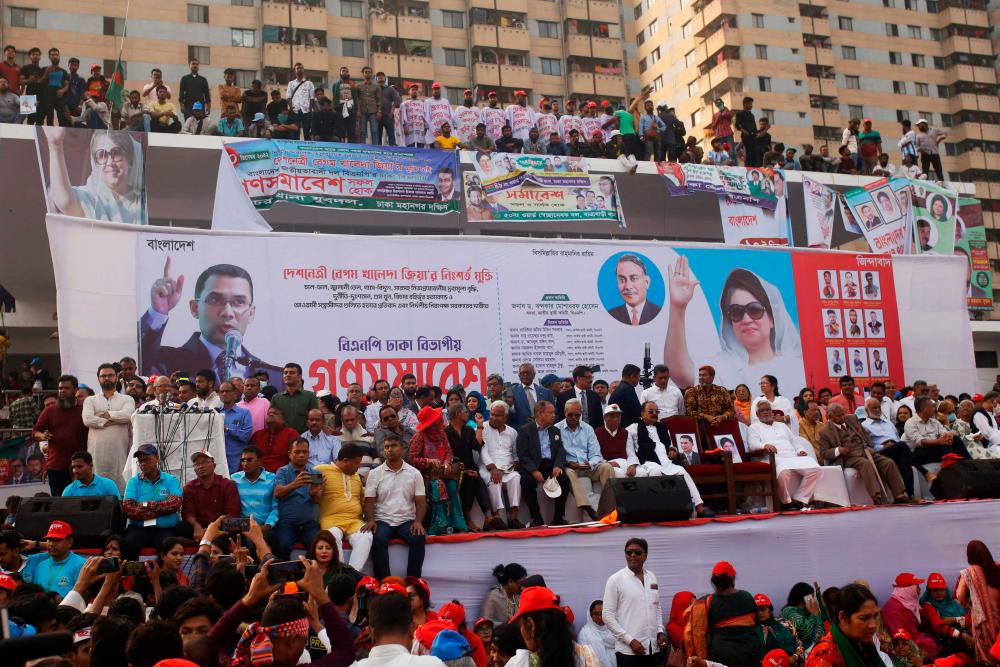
x=295 y=402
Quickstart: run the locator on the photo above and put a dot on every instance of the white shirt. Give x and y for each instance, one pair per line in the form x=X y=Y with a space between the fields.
x=371 y=415
x=633 y=445
x=632 y=610
x=394 y=492
x=212 y=401
x=989 y=430
x=670 y=401
x=394 y=655
x=499 y=447
x=300 y=95
x=776 y=434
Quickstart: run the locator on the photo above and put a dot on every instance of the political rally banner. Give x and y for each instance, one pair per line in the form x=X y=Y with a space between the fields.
x=346 y=176
x=935 y=226
x=848 y=318
x=821 y=209
x=970 y=244
x=686 y=178
x=884 y=211
x=95 y=174
x=519 y=188
x=755 y=186
x=744 y=222
x=850 y=224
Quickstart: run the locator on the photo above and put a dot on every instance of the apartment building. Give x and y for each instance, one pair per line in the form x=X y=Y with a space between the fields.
x=550 y=48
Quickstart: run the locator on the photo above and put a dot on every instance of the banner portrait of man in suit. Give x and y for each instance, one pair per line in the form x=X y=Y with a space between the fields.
x=633 y=279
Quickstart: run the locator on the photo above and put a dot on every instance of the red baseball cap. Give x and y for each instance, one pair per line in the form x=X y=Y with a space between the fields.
x=371 y=583
x=591 y=105
x=7 y=582
x=435 y=85
x=776 y=658
x=978 y=398
x=419 y=583
x=907 y=579
x=520 y=92
x=902 y=634
x=467 y=92
x=936 y=581
x=723 y=567
x=536 y=598
x=426 y=633
x=597 y=133
x=454 y=612
x=762 y=600
x=482 y=620
x=59 y=530
x=570 y=617
x=391 y=587
x=954 y=660
x=492 y=93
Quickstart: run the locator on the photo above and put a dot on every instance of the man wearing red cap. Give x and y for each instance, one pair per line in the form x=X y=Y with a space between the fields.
x=411 y=115
x=493 y=116
x=467 y=116
x=902 y=612
x=520 y=116
x=437 y=112
x=591 y=123
x=570 y=121
x=455 y=612
x=632 y=610
x=546 y=122
x=57 y=568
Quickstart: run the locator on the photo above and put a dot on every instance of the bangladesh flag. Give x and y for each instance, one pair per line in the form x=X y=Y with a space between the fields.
x=116 y=91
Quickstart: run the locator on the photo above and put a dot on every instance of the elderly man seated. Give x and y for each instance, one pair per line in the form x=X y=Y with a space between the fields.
x=791 y=459
x=883 y=435
x=984 y=423
x=845 y=442
x=498 y=458
x=648 y=442
x=928 y=438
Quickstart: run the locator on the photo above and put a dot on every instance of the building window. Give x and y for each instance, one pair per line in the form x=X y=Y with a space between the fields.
x=243 y=3
x=845 y=22
x=197 y=13
x=643 y=66
x=852 y=82
x=938 y=62
x=454 y=95
x=891 y=30
x=653 y=26
x=352 y=9
x=551 y=66
x=760 y=51
x=923 y=90
x=689 y=59
x=764 y=83
x=686 y=30
x=917 y=59
x=637 y=11
x=200 y=53
x=23 y=18
x=936 y=34
x=928 y=115
x=942 y=91
x=758 y=20
x=658 y=83
x=457 y=19
x=353 y=48
x=848 y=53
x=696 y=118
x=114 y=26
x=244 y=37
x=454 y=57
x=932 y=6
x=889 y=3
x=545 y=29
x=768 y=114
x=855 y=111
x=640 y=37
x=901 y=115
x=654 y=56
x=915 y=32
x=895 y=58
x=693 y=88
x=899 y=87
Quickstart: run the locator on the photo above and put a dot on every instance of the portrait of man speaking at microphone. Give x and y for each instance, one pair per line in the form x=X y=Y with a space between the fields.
x=223 y=306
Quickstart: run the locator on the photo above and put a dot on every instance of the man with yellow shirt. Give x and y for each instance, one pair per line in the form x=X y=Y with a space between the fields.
x=341 y=508
x=446 y=140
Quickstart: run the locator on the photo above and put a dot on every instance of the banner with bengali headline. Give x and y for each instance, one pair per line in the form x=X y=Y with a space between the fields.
x=346 y=176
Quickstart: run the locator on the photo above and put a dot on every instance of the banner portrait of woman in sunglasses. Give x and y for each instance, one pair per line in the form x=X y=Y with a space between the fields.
x=756 y=334
x=108 y=163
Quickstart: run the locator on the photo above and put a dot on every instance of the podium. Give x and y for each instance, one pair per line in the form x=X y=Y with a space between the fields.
x=178 y=436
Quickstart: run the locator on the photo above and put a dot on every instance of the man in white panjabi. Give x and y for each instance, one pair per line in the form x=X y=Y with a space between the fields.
x=108 y=415
x=791 y=458
x=498 y=457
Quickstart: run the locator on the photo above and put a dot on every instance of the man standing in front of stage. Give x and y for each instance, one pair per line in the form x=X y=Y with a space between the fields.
x=632 y=610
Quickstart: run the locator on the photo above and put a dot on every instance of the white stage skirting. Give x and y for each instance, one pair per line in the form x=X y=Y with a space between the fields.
x=770 y=552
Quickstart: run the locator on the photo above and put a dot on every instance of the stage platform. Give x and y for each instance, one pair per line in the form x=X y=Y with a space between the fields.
x=770 y=552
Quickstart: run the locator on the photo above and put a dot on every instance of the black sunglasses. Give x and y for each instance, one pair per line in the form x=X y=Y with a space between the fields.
x=633 y=552
x=755 y=309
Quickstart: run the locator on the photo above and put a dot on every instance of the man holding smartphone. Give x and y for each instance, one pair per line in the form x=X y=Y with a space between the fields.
x=298 y=488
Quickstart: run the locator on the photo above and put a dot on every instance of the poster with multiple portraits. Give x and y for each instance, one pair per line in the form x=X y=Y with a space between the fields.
x=883 y=210
x=935 y=225
x=970 y=245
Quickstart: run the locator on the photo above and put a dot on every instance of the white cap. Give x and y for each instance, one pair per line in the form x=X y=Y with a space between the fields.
x=614 y=133
x=921 y=120
x=552 y=488
x=322 y=393
x=612 y=409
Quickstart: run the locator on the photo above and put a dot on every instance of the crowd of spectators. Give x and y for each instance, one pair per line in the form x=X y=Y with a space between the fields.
x=370 y=110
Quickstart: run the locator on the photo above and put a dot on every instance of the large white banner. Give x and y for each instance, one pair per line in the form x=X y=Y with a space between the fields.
x=451 y=309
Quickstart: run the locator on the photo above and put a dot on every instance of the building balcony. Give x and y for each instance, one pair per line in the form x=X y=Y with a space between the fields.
x=520 y=6
x=711 y=12
x=303 y=15
x=484 y=35
x=578 y=45
x=386 y=62
x=974 y=159
x=511 y=37
x=576 y=9
x=967 y=101
x=581 y=83
x=960 y=16
x=978 y=131
x=727 y=69
x=600 y=10
x=603 y=47
x=609 y=85
x=980 y=47
x=822 y=87
x=971 y=73
x=311 y=57
x=822 y=57
x=516 y=76
x=415 y=27
x=816 y=26
x=486 y=74
x=416 y=67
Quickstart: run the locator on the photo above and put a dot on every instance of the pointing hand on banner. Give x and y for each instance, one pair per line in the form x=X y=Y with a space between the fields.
x=166 y=291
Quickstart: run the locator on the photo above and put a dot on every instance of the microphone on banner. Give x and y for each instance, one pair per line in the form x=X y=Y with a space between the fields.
x=234 y=341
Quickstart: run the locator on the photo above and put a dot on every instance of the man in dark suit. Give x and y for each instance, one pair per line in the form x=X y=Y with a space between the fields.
x=541 y=455
x=223 y=302
x=625 y=396
x=593 y=410
x=633 y=285
x=526 y=395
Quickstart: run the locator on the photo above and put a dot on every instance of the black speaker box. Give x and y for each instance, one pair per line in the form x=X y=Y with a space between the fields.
x=648 y=499
x=92 y=518
x=969 y=479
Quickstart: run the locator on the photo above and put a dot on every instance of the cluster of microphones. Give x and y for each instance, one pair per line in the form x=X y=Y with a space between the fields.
x=168 y=408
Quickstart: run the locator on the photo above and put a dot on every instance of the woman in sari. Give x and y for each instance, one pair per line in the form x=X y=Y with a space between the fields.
x=722 y=627
x=431 y=454
x=776 y=633
x=849 y=642
x=979 y=591
x=675 y=628
x=741 y=403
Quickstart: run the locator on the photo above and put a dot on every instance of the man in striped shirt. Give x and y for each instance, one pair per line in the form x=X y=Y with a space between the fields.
x=256 y=488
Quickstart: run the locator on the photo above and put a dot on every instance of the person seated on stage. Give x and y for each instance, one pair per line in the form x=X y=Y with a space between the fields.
x=388 y=422
x=984 y=423
x=471 y=488
x=341 y=507
x=928 y=438
x=379 y=397
x=791 y=459
x=541 y=456
x=884 y=440
x=707 y=402
x=943 y=614
x=204 y=389
x=395 y=506
x=811 y=424
x=238 y=425
x=843 y=441
x=430 y=453
x=584 y=463
x=648 y=442
x=323 y=447
x=208 y=496
x=902 y=612
x=351 y=429
x=613 y=440
x=498 y=459
x=57 y=568
x=298 y=494
x=85 y=482
x=256 y=489
x=274 y=440
x=150 y=496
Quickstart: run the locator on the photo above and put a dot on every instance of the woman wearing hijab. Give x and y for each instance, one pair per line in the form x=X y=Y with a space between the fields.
x=597 y=636
x=979 y=591
x=945 y=616
x=675 y=628
x=114 y=189
x=850 y=641
x=902 y=611
x=757 y=335
x=802 y=610
x=475 y=403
